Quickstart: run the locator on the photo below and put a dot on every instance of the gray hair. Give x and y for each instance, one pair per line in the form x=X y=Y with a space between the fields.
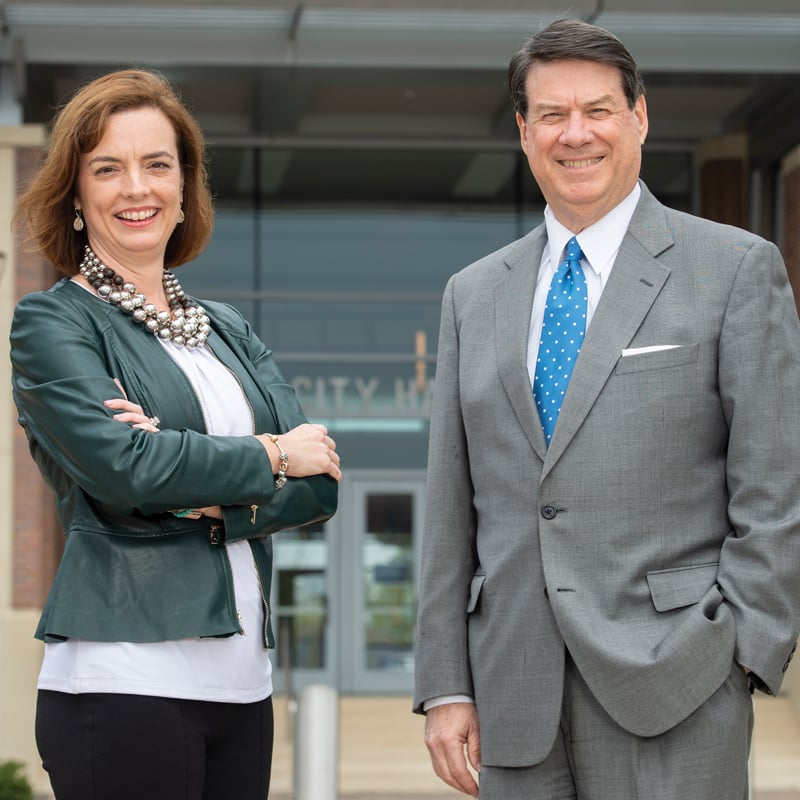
x=572 y=39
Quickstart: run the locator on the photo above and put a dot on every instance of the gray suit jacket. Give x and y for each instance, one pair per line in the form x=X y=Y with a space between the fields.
x=658 y=538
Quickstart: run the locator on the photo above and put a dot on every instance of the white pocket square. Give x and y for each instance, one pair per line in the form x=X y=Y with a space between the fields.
x=653 y=348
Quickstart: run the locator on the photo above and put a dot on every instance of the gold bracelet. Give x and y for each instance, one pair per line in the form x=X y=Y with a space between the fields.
x=283 y=462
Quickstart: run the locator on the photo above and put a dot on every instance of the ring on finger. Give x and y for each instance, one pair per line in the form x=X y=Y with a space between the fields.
x=154 y=421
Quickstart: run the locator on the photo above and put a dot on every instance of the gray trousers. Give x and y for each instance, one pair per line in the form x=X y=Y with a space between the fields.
x=702 y=758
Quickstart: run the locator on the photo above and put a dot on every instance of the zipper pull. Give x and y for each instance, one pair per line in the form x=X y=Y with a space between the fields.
x=253 y=511
x=239 y=617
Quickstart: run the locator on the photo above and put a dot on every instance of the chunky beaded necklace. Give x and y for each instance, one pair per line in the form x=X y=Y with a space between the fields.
x=185 y=323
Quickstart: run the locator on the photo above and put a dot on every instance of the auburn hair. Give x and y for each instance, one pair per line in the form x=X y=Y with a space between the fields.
x=45 y=210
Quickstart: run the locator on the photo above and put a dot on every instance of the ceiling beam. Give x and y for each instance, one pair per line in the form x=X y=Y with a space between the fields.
x=338 y=37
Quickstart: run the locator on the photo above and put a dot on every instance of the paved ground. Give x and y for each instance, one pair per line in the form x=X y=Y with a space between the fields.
x=382 y=756
x=380 y=796
x=770 y=796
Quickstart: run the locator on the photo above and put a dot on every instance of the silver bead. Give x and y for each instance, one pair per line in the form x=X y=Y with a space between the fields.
x=184 y=324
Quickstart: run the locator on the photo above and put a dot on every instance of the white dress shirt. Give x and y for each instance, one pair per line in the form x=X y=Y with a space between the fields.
x=600 y=244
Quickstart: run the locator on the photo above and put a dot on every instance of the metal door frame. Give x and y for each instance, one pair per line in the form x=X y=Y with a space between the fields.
x=354 y=677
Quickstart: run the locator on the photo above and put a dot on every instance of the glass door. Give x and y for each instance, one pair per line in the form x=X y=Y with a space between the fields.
x=301 y=588
x=387 y=525
x=344 y=593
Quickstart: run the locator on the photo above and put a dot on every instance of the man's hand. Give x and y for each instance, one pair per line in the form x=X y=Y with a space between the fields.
x=447 y=729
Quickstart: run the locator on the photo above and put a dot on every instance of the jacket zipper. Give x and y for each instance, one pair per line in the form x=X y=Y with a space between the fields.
x=253 y=507
x=214 y=536
x=263 y=599
x=216 y=527
x=232 y=591
x=241 y=385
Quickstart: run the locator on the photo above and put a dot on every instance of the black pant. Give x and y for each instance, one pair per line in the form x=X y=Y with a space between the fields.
x=132 y=747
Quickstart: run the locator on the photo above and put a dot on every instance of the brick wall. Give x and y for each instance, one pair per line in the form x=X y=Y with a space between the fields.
x=723 y=191
x=38 y=541
x=791 y=222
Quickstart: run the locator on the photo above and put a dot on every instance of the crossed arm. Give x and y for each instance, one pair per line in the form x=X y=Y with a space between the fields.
x=313 y=452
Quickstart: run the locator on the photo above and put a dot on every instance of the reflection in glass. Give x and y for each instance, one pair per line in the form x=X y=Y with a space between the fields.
x=388 y=557
x=302 y=597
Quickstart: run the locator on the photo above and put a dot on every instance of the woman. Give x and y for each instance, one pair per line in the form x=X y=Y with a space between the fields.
x=175 y=449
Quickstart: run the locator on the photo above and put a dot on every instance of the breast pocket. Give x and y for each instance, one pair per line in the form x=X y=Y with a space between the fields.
x=658 y=359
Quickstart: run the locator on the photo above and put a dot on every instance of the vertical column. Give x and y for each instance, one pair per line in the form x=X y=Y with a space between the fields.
x=790 y=246
x=790 y=223
x=7 y=171
x=37 y=541
x=21 y=487
x=12 y=141
x=722 y=165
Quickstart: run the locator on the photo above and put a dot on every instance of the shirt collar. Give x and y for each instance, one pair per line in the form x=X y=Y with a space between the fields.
x=599 y=242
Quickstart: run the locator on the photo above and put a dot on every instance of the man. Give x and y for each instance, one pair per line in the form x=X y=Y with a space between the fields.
x=603 y=566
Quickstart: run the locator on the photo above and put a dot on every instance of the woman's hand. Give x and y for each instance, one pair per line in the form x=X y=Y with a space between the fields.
x=311 y=451
x=131 y=413
x=210 y=511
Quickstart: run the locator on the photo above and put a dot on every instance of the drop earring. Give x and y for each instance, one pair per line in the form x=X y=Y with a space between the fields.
x=77 y=223
x=181 y=216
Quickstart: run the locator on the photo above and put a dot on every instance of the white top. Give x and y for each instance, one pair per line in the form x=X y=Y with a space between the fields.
x=234 y=669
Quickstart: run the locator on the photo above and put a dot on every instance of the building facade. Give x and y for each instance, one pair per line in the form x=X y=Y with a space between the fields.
x=360 y=153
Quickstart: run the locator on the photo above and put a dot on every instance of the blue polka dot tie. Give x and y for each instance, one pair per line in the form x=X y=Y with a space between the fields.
x=562 y=336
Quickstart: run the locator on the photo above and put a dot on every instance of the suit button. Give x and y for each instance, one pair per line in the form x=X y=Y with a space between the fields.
x=549 y=512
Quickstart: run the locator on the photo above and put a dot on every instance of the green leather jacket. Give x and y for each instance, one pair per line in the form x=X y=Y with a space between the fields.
x=132 y=571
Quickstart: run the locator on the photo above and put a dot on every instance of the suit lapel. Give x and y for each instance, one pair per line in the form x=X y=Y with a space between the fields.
x=633 y=286
x=513 y=304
